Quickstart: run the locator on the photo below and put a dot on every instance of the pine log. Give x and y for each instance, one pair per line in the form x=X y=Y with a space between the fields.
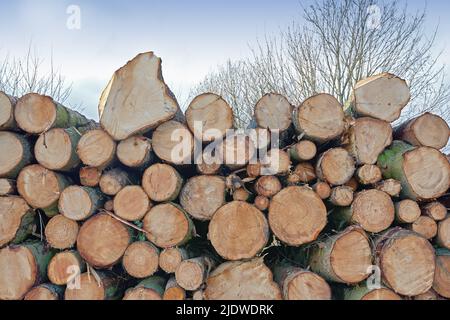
x=268 y=186
x=367 y=138
x=322 y=189
x=238 y=231
x=425 y=226
x=56 y=149
x=101 y=286
x=381 y=96
x=45 y=292
x=241 y=194
x=427 y=130
x=170 y=258
x=96 y=149
x=441 y=283
x=151 y=288
x=345 y=257
x=135 y=152
x=390 y=186
x=342 y=196
x=64 y=267
x=41 y=188
x=141 y=259
x=320 y=118
x=407 y=211
x=297 y=215
x=242 y=280
x=443 y=234
x=162 y=183
x=237 y=150
x=23 y=267
x=102 y=241
x=274 y=112
x=131 y=203
x=373 y=210
x=7 y=187
x=300 y=284
x=136 y=99
x=90 y=176
x=173 y=291
x=61 y=232
x=262 y=203
x=79 y=203
x=423 y=172
x=173 y=143
x=304 y=150
x=112 y=181
x=17 y=220
x=406 y=260
x=192 y=273
x=16 y=154
x=303 y=172
x=362 y=292
x=202 y=196
x=369 y=174
x=167 y=226
x=209 y=117
x=207 y=164
x=35 y=114
x=7 y=105
x=435 y=210
x=336 y=166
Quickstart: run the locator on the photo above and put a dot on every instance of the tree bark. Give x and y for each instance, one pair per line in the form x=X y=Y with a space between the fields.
x=16 y=154
x=162 y=183
x=141 y=259
x=79 y=203
x=17 y=220
x=61 y=232
x=96 y=149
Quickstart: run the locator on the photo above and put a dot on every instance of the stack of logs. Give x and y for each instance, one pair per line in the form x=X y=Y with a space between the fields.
x=345 y=207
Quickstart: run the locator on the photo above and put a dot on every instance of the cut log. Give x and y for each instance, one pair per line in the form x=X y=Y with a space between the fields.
x=90 y=176
x=170 y=258
x=345 y=257
x=242 y=280
x=45 y=292
x=131 y=203
x=429 y=295
x=369 y=174
x=362 y=292
x=141 y=259
x=425 y=226
x=261 y=138
x=373 y=210
x=173 y=143
x=342 y=196
x=7 y=187
x=238 y=231
x=79 y=203
x=137 y=99
x=64 y=267
x=7 y=105
x=304 y=172
x=435 y=210
x=274 y=112
x=299 y=284
x=96 y=149
x=427 y=130
x=367 y=138
x=109 y=206
x=303 y=151
x=149 y=289
x=423 y=172
x=297 y=215
x=262 y=203
x=407 y=211
x=381 y=96
x=16 y=154
x=192 y=273
x=102 y=241
x=275 y=162
x=173 y=291
x=112 y=181
x=390 y=186
x=209 y=117
x=207 y=164
x=201 y=196
x=237 y=150
x=162 y=183
x=336 y=166
x=443 y=235
x=322 y=189
x=320 y=118
x=22 y=268
x=406 y=260
x=241 y=194
x=101 y=286
x=268 y=186
x=441 y=283
x=135 y=152
x=41 y=188
x=56 y=149
x=167 y=226
x=35 y=114
x=61 y=232
x=17 y=220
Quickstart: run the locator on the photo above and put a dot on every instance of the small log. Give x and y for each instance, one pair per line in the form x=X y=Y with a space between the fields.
x=173 y=291
x=443 y=234
x=61 y=232
x=435 y=210
x=17 y=220
x=96 y=149
x=45 y=292
x=304 y=150
x=170 y=258
x=303 y=172
x=167 y=226
x=16 y=154
x=151 y=288
x=335 y=166
x=229 y=231
x=407 y=211
x=320 y=118
x=7 y=187
x=192 y=273
x=131 y=203
x=406 y=260
x=425 y=226
x=64 y=267
x=90 y=176
x=262 y=203
x=242 y=280
x=390 y=186
x=342 y=196
x=141 y=259
x=79 y=203
x=112 y=181
x=109 y=206
x=268 y=186
x=162 y=183
x=345 y=257
x=241 y=194
x=427 y=130
x=441 y=283
x=322 y=189
x=102 y=241
x=369 y=174
x=201 y=196
x=362 y=292
x=7 y=105
x=101 y=286
x=135 y=152
x=297 y=215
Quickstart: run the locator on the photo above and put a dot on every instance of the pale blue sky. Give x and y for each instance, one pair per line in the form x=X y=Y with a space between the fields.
x=192 y=37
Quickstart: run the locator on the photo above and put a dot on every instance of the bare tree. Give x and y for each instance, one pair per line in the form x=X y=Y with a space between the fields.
x=22 y=75
x=340 y=43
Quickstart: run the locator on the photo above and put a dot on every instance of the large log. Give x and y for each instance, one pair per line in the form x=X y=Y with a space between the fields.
x=238 y=231
x=64 y=267
x=135 y=152
x=336 y=166
x=79 y=203
x=16 y=154
x=423 y=172
x=151 y=288
x=141 y=259
x=192 y=273
x=162 y=183
x=96 y=149
x=274 y=112
x=102 y=286
x=131 y=203
x=7 y=105
x=17 y=220
x=61 y=232
x=297 y=215
x=441 y=282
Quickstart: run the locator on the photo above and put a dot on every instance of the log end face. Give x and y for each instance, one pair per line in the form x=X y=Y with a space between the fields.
x=441 y=283
x=61 y=232
x=131 y=203
x=35 y=113
x=12 y=210
x=430 y=130
x=189 y=275
x=61 y=267
x=12 y=153
x=6 y=111
x=53 y=149
x=75 y=203
x=308 y=286
x=141 y=293
x=161 y=182
x=141 y=260
x=96 y=148
x=274 y=112
x=89 y=289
